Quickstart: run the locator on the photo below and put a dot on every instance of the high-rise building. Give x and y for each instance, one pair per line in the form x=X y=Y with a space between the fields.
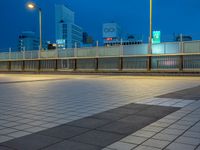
x=112 y=35
x=68 y=34
x=28 y=41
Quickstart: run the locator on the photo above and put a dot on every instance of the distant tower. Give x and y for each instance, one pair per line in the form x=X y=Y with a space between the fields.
x=67 y=32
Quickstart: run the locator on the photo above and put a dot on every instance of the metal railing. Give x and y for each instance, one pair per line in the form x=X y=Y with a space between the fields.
x=114 y=51
x=176 y=56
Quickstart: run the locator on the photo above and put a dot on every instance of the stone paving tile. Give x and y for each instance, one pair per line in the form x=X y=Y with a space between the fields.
x=153 y=128
x=192 y=134
x=172 y=131
x=157 y=111
x=143 y=133
x=71 y=145
x=188 y=140
x=34 y=129
x=198 y=148
x=180 y=146
x=109 y=116
x=120 y=127
x=4 y=138
x=98 y=138
x=143 y=147
x=5 y=148
x=122 y=146
x=18 y=134
x=134 y=139
x=139 y=120
x=7 y=131
x=188 y=94
x=165 y=137
x=63 y=131
x=89 y=122
x=156 y=143
x=31 y=142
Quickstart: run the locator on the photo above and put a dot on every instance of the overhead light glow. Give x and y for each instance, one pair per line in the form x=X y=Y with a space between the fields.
x=31 y=5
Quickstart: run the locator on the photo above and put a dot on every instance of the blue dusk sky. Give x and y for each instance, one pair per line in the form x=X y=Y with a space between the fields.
x=169 y=16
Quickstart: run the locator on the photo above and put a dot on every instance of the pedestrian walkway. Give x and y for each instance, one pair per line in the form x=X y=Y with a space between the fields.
x=88 y=107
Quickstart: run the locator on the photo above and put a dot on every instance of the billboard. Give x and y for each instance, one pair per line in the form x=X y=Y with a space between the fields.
x=156 y=37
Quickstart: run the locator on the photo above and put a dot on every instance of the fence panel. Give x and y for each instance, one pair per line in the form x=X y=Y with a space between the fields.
x=86 y=52
x=135 y=63
x=165 y=62
x=109 y=51
x=191 y=47
x=31 y=65
x=141 y=49
x=86 y=64
x=191 y=62
x=16 y=65
x=108 y=63
x=4 y=65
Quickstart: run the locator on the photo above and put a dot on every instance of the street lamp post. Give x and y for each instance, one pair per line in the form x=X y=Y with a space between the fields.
x=151 y=27
x=34 y=6
x=150 y=36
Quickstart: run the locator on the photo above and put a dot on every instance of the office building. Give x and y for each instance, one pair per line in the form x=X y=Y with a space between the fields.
x=113 y=35
x=68 y=34
x=28 y=41
x=87 y=40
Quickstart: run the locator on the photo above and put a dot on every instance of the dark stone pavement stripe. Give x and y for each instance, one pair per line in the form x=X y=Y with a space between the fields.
x=94 y=132
x=187 y=94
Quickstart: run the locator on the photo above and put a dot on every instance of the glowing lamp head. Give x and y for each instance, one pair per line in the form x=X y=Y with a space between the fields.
x=31 y=5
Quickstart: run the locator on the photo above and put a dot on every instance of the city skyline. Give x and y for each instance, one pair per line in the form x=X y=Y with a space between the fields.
x=169 y=17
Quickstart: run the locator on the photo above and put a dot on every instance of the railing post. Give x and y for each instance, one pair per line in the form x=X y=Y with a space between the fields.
x=23 y=54
x=9 y=65
x=149 y=63
x=10 y=49
x=39 y=53
x=181 y=63
x=39 y=65
x=56 y=65
x=96 y=64
x=75 y=64
x=120 y=63
x=23 y=65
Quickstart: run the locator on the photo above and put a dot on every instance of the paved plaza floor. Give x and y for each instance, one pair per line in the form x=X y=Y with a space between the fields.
x=88 y=112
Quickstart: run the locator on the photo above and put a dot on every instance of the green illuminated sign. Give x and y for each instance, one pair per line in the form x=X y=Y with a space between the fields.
x=156 y=37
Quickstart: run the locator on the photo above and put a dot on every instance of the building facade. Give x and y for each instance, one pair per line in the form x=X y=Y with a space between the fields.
x=68 y=34
x=28 y=41
x=113 y=35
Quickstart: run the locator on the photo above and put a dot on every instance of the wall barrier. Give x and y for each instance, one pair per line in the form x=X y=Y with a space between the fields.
x=176 y=57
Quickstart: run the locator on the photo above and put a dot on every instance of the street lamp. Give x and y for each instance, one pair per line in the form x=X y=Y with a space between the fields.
x=150 y=35
x=151 y=27
x=32 y=6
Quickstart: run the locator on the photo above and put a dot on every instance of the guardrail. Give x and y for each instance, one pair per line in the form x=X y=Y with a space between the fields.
x=114 y=51
x=176 y=56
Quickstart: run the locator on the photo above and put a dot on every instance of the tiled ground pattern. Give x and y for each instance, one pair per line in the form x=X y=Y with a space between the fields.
x=94 y=132
x=187 y=94
x=28 y=106
x=177 y=131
